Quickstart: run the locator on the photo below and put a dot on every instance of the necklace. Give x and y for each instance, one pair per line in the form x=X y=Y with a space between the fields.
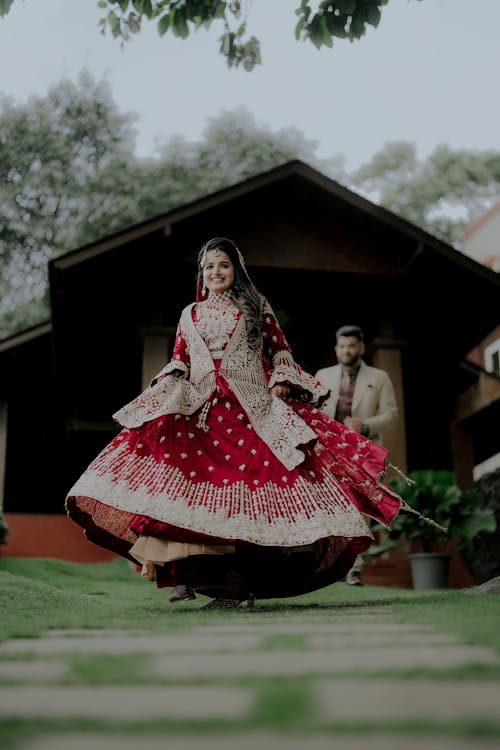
x=216 y=319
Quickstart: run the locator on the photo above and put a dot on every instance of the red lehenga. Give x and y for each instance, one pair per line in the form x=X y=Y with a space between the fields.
x=217 y=484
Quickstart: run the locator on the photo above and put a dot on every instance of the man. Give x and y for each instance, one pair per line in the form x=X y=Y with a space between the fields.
x=361 y=397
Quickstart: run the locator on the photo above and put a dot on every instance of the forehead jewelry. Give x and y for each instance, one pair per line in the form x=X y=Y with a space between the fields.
x=203 y=260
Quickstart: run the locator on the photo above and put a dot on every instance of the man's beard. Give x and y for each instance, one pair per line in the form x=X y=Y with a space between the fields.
x=351 y=361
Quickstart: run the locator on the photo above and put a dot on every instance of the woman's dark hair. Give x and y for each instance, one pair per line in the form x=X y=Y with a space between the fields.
x=246 y=296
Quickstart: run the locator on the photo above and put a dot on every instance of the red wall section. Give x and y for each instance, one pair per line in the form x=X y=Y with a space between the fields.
x=38 y=535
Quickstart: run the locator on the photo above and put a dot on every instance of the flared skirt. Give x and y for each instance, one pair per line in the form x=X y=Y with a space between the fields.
x=218 y=483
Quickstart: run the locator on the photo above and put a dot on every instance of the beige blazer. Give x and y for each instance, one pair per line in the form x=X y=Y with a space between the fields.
x=374 y=400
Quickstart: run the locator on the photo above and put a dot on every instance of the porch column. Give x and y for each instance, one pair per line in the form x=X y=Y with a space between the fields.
x=157 y=345
x=386 y=355
x=462 y=454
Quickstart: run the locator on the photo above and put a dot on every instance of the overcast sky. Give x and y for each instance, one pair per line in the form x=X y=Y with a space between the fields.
x=428 y=74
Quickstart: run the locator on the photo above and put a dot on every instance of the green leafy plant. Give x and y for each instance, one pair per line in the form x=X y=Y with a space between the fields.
x=320 y=23
x=4 y=529
x=435 y=495
x=481 y=556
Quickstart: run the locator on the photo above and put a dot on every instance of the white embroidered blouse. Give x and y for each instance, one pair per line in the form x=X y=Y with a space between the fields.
x=216 y=318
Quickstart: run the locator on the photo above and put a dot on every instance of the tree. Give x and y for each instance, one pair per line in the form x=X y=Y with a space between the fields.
x=340 y=19
x=344 y=19
x=442 y=194
x=233 y=148
x=53 y=150
x=5 y=6
x=70 y=177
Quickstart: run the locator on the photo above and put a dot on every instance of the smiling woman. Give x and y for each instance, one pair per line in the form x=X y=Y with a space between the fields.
x=226 y=478
x=218 y=271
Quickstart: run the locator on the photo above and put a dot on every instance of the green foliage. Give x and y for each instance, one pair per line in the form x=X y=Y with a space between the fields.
x=4 y=529
x=233 y=147
x=5 y=6
x=435 y=495
x=123 y=18
x=70 y=177
x=481 y=555
x=343 y=19
x=442 y=194
x=50 y=185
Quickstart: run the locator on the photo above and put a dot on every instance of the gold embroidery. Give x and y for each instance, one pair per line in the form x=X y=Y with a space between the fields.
x=266 y=513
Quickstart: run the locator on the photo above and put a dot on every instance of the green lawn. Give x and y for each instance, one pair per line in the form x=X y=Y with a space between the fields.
x=40 y=594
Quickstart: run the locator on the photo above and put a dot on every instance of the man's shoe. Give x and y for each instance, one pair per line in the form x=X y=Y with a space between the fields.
x=353 y=578
x=181 y=593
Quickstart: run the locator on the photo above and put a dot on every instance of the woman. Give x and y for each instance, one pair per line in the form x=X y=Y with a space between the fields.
x=226 y=477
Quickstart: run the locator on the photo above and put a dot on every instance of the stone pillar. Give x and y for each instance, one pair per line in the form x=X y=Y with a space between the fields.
x=156 y=351
x=386 y=355
x=462 y=454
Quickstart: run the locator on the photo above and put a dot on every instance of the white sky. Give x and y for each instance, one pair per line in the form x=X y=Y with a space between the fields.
x=428 y=74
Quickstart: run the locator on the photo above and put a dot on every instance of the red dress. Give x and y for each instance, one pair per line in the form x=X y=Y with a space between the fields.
x=209 y=478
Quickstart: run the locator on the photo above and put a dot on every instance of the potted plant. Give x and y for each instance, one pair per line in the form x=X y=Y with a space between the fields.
x=435 y=495
x=481 y=555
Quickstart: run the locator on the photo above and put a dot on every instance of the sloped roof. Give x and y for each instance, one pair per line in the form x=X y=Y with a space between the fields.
x=26 y=336
x=292 y=170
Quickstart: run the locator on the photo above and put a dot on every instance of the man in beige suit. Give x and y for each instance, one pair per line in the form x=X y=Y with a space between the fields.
x=361 y=397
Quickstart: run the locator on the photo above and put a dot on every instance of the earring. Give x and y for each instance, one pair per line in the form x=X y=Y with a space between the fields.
x=203 y=291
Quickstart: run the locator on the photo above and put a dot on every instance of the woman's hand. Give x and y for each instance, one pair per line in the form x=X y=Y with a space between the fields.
x=175 y=374
x=280 y=391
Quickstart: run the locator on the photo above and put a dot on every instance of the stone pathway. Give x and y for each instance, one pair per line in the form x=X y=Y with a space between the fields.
x=354 y=668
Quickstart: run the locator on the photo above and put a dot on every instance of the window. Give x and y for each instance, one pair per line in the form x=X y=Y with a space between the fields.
x=492 y=357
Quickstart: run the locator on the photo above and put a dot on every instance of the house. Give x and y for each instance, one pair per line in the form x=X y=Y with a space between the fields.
x=323 y=255
x=481 y=238
x=482 y=242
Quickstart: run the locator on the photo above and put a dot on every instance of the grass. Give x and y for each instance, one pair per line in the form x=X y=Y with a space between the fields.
x=37 y=594
x=41 y=594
